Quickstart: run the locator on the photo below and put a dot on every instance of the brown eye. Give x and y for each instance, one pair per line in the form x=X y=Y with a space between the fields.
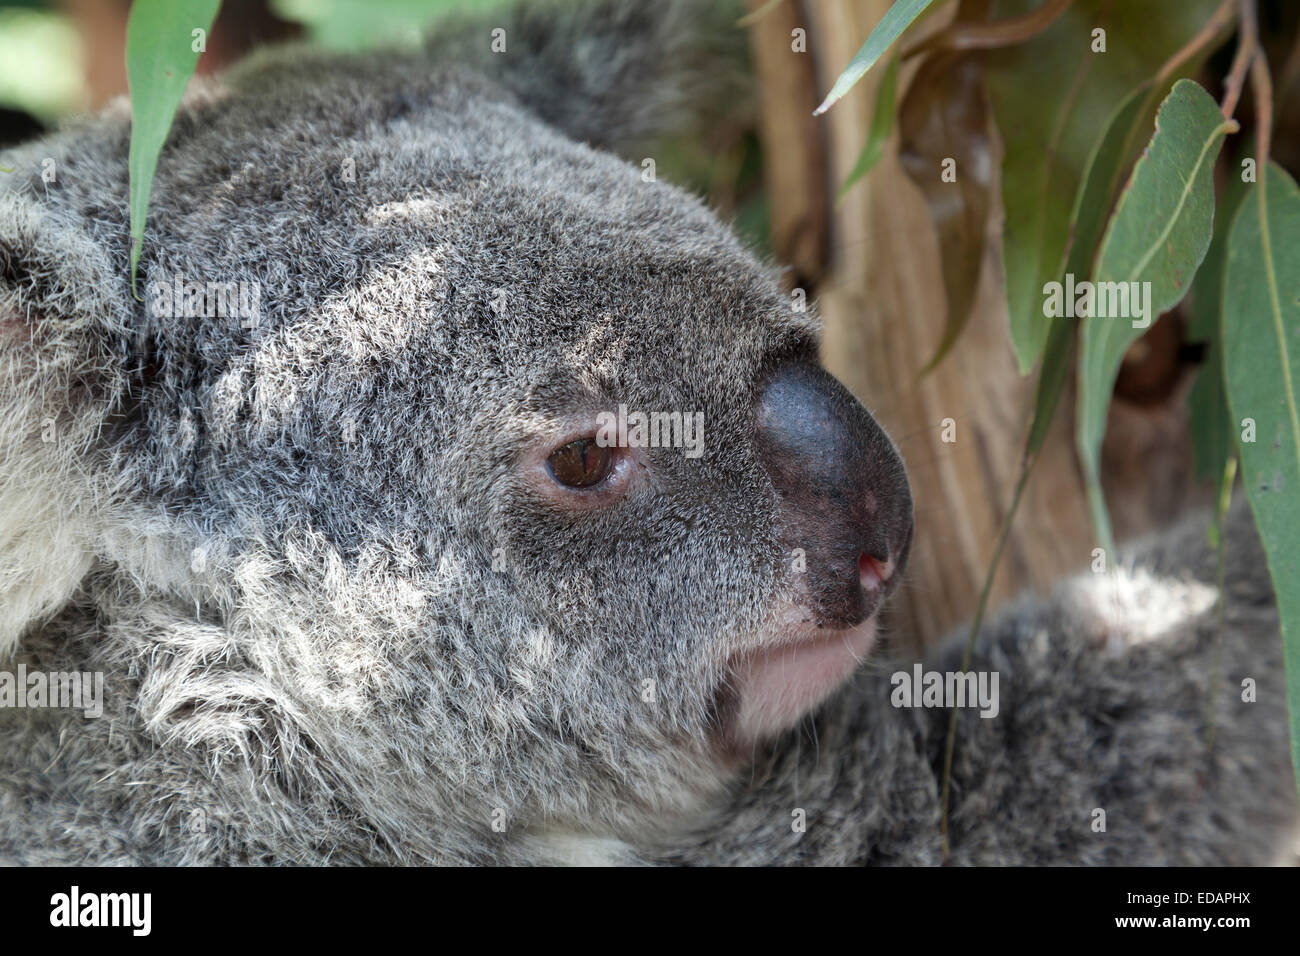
x=581 y=463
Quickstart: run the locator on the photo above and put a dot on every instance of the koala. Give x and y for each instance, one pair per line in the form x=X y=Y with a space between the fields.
x=349 y=510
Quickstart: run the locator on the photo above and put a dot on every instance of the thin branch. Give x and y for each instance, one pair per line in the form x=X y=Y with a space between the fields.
x=1247 y=50
x=1261 y=85
x=988 y=36
x=1218 y=22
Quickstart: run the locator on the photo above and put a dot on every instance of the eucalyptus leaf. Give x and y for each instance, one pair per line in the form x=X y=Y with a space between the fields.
x=1049 y=120
x=1052 y=376
x=1091 y=211
x=162 y=50
x=1261 y=338
x=1208 y=419
x=1152 y=248
x=1207 y=403
x=1105 y=167
x=882 y=124
x=896 y=19
x=1102 y=175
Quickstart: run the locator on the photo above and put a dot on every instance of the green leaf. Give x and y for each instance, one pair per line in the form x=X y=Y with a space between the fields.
x=160 y=59
x=1207 y=403
x=1204 y=315
x=1208 y=419
x=1049 y=121
x=882 y=124
x=1101 y=178
x=1261 y=338
x=1157 y=238
x=1106 y=166
x=1091 y=211
x=897 y=19
x=1051 y=382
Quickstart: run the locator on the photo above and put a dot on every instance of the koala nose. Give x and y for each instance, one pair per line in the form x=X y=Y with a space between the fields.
x=844 y=495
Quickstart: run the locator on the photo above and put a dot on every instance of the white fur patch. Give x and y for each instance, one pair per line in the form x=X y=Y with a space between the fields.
x=565 y=848
x=1134 y=606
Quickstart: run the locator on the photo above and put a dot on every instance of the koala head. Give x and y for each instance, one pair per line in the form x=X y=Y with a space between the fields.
x=447 y=465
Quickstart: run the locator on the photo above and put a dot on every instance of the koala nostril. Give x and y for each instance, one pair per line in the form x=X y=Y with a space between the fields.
x=873 y=573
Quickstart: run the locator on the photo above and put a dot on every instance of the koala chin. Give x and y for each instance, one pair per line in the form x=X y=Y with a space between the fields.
x=332 y=518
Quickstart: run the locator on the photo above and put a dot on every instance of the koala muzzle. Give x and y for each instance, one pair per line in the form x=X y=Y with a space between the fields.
x=845 y=502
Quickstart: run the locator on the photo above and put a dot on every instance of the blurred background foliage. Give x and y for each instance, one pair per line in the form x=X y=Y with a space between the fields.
x=40 y=63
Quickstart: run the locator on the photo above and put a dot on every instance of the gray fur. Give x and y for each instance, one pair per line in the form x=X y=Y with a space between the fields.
x=1104 y=695
x=308 y=655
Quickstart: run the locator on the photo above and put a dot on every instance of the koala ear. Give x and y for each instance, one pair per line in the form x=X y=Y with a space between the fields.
x=63 y=306
x=613 y=73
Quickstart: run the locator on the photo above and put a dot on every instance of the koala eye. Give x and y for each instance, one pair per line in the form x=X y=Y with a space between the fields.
x=581 y=463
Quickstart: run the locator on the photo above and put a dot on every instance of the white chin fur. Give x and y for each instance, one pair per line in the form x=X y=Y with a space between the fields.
x=780 y=684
